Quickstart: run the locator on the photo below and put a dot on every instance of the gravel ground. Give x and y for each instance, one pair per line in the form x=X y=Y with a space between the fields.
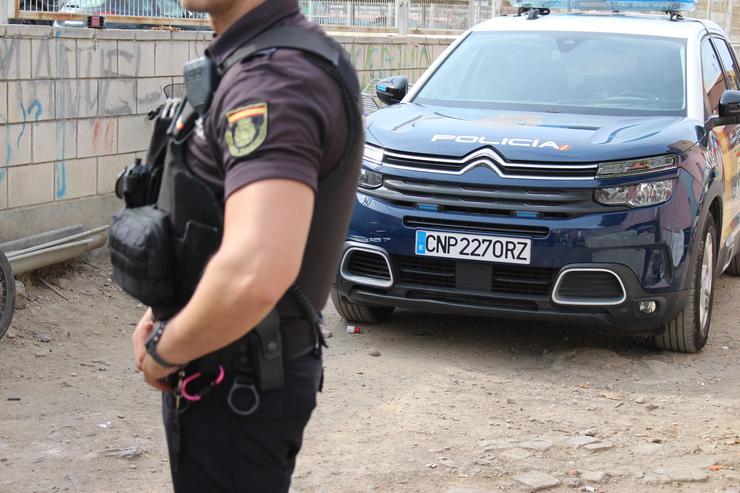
x=423 y=403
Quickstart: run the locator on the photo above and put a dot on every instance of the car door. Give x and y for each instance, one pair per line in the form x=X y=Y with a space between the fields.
x=731 y=167
x=719 y=142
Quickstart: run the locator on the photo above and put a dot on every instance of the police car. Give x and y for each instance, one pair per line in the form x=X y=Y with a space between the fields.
x=576 y=167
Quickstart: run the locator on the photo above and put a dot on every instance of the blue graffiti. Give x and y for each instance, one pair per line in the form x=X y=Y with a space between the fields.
x=36 y=105
x=60 y=173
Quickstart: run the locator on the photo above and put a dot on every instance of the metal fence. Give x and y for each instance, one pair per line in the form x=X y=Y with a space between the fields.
x=456 y=15
x=117 y=13
x=366 y=15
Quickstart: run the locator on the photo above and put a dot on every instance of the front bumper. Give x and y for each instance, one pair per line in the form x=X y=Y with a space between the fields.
x=623 y=316
x=647 y=248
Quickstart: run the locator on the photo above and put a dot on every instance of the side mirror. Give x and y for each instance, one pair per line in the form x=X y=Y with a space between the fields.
x=729 y=104
x=729 y=110
x=392 y=89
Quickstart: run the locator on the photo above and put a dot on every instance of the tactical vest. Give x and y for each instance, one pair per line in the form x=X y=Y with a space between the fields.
x=165 y=277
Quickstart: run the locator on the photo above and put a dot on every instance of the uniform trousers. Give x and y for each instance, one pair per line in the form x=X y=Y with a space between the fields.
x=221 y=451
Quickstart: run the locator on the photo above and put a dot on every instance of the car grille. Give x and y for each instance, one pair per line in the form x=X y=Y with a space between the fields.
x=590 y=285
x=506 y=279
x=488 y=158
x=475 y=227
x=368 y=264
x=490 y=200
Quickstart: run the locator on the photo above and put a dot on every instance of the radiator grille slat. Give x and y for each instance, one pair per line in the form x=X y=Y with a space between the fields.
x=590 y=285
x=507 y=279
x=368 y=264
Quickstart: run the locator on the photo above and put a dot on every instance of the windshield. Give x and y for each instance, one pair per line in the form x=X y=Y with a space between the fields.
x=594 y=73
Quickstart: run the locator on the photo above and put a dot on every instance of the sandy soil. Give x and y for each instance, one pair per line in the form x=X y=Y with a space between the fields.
x=451 y=404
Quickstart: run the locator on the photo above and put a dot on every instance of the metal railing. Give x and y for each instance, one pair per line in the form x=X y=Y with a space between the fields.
x=364 y=15
x=393 y=15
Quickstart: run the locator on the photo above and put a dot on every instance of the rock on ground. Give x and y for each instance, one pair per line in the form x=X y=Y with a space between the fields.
x=677 y=474
x=593 y=476
x=537 y=481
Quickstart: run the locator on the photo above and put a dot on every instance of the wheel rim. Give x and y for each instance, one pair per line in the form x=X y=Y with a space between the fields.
x=705 y=286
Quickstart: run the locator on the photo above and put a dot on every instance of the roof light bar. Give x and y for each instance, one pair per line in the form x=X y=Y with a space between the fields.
x=610 y=5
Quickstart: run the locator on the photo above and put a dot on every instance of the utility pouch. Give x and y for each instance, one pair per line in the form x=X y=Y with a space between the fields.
x=140 y=250
x=267 y=353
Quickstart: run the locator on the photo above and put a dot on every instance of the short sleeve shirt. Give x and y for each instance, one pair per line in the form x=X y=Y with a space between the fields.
x=274 y=116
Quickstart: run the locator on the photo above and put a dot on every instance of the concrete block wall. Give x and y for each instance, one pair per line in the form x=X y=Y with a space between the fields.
x=73 y=105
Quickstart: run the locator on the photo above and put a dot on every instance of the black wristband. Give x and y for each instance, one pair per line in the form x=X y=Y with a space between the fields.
x=151 y=345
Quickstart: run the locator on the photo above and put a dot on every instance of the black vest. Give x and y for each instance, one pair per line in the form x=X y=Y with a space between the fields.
x=195 y=213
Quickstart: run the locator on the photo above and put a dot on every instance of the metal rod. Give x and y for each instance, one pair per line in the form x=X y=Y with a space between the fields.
x=54 y=243
x=29 y=241
x=55 y=255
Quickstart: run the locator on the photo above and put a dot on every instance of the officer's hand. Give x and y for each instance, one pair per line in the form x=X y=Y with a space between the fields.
x=154 y=373
x=139 y=337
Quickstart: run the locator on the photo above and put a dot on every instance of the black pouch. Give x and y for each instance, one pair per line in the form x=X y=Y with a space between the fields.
x=267 y=353
x=140 y=250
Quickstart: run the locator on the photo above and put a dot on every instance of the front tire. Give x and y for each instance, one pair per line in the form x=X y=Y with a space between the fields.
x=355 y=312
x=689 y=331
x=7 y=295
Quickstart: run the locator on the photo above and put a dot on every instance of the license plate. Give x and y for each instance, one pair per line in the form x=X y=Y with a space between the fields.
x=474 y=247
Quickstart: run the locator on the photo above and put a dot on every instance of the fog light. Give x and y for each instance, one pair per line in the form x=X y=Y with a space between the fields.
x=648 y=307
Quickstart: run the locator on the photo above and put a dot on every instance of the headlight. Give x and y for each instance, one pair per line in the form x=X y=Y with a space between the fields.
x=639 y=195
x=369 y=178
x=636 y=166
x=373 y=154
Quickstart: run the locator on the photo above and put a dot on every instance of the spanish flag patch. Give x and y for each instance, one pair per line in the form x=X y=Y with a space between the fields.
x=246 y=129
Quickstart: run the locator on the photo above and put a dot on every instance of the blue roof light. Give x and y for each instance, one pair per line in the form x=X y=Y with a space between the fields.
x=620 y=5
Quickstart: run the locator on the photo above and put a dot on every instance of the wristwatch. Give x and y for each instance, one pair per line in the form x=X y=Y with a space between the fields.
x=151 y=345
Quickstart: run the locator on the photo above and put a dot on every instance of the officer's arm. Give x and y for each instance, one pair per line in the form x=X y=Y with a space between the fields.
x=265 y=233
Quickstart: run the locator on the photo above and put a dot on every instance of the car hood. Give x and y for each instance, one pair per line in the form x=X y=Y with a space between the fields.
x=528 y=136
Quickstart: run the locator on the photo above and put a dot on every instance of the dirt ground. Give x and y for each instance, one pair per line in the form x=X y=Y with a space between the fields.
x=451 y=404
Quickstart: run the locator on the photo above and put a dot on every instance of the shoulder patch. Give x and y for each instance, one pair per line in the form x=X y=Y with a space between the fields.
x=246 y=129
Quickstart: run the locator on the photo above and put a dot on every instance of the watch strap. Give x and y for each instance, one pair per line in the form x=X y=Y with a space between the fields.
x=151 y=346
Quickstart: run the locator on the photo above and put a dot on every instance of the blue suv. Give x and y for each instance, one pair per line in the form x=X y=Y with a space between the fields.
x=574 y=167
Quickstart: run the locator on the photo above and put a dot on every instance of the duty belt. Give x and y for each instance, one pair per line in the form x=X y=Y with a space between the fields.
x=297 y=340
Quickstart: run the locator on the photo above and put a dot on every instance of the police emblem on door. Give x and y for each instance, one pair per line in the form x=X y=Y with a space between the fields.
x=247 y=129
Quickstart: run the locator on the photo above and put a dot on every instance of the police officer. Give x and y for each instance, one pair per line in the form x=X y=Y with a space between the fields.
x=280 y=147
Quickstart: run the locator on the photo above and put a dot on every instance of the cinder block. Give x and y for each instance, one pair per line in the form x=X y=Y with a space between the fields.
x=135 y=59
x=15 y=144
x=76 y=98
x=150 y=93
x=97 y=59
x=122 y=34
x=197 y=49
x=27 y=31
x=153 y=35
x=75 y=178
x=170 y=58
x=54 y=58
x=117 y=97
x=97 y=137
x=134 y=133
x=109 y=167
x=3 y=188
x=73 y=32
x=15 y=58
x=3 y=102
x=31 y=101
x=32 y=184
x=185 y=35
x=54 y=141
